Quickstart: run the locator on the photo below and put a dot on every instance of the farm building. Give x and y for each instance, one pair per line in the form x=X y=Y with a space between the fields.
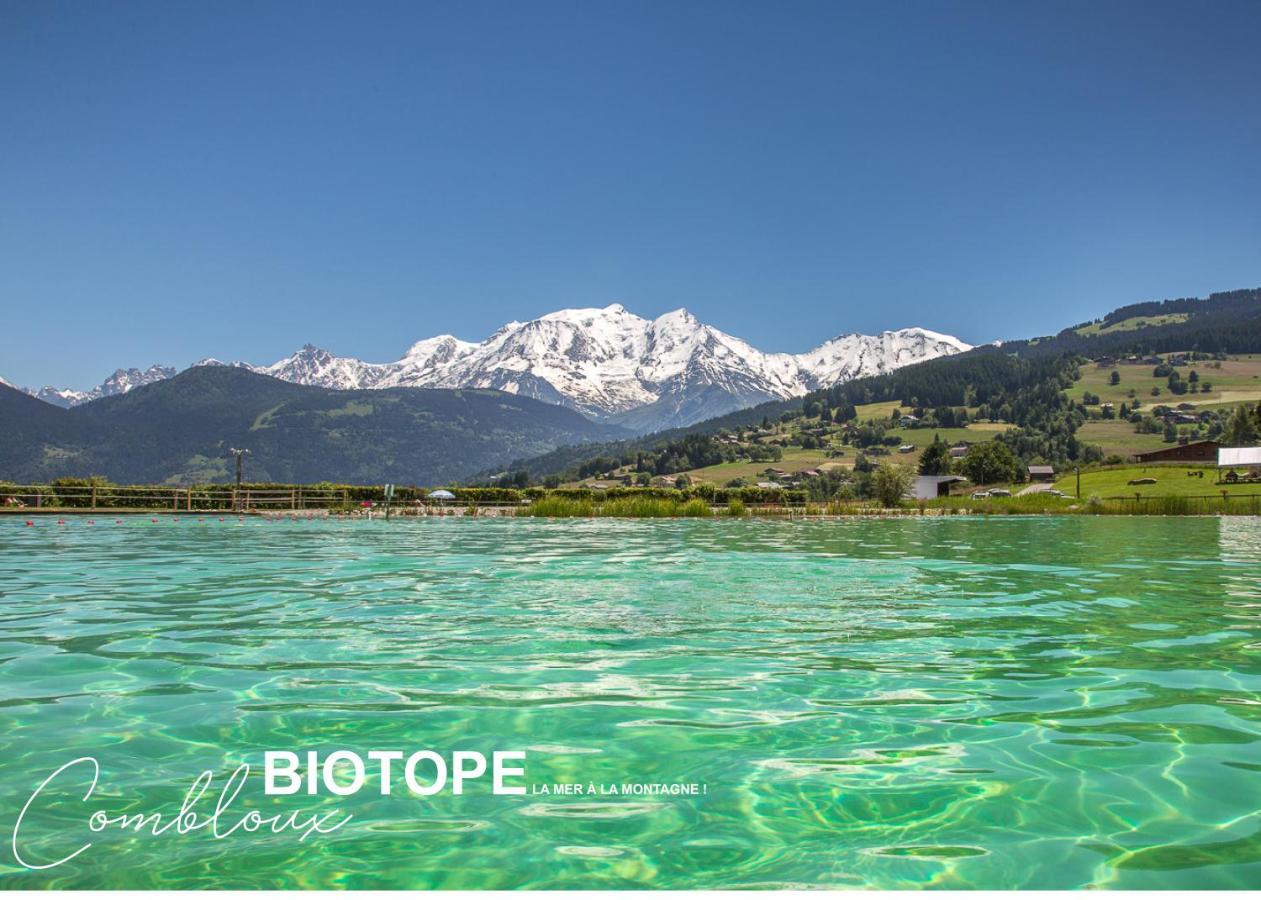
x=1196 y=451
x=930 y=487
x=1042 y=473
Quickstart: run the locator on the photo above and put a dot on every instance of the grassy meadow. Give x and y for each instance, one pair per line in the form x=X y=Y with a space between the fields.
x=1238 y=380
x=1171 y=481
x=1132 y=324
x=1233 y=381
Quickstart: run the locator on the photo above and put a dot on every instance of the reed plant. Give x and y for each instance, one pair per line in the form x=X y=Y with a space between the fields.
x=553 y=507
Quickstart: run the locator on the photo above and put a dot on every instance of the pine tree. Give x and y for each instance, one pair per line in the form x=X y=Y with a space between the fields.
x=1241 y=428
x=936 y=458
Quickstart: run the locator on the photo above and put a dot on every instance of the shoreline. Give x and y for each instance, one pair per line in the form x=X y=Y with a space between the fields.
x=718 y=513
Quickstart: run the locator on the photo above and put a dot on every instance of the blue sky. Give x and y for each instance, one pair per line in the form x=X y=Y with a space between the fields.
x=180 y=180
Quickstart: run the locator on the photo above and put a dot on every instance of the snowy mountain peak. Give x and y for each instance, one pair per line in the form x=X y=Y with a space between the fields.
x=606 y=362
x=122 y=381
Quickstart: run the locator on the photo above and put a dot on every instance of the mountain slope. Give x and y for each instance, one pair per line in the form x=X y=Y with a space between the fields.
x=611 y=363
x=1226 y=322
x=606 y=363
x=122 y=381
x=179 y=430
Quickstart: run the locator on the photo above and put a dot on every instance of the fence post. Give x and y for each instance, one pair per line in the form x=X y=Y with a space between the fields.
x=93 y=498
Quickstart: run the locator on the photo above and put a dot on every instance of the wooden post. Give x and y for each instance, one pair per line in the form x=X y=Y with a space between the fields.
x=93 y=498
x=175 y=500
x=188 y=503
x=293 y=499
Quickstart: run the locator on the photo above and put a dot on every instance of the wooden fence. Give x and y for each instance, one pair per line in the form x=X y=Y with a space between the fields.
x=34 y=497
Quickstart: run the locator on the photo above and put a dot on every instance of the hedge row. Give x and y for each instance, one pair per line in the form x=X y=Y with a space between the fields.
x=76 y=492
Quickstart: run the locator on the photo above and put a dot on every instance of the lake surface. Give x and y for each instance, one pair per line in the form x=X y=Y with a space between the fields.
x=949 y=702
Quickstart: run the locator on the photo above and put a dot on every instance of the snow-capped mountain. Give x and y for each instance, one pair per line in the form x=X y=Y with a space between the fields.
x=122 y=381
x=609 y=363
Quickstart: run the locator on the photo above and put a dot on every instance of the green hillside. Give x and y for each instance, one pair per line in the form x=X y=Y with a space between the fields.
x=179 y=431
x=1043 y=399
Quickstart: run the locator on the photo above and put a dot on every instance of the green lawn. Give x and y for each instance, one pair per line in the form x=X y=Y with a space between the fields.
x=877 y=410
x=1119 y=438
x=1171 y=480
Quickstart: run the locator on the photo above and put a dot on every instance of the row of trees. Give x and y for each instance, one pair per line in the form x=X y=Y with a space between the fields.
x=990 y=462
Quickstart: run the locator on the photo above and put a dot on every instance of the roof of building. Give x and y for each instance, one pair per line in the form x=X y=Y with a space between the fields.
x=1178 y=451
x=1239 y=456
x=1042 y=470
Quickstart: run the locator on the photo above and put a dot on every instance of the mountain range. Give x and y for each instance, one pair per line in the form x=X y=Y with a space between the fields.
x=607 y=363
x=120 y=382
x=179 y=430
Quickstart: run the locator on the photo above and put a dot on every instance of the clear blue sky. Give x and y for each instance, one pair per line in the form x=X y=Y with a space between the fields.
x=186 y=179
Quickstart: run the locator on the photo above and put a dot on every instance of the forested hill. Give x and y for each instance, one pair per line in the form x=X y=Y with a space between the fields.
x=179 y=431
x=572 y=458
x=1224 y=323
x=1228 y=322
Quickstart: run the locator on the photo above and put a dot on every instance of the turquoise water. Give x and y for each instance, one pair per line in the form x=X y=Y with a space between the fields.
x=997 y=703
